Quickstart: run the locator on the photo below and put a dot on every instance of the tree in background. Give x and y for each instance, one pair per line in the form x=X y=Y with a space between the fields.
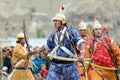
x=40 y=33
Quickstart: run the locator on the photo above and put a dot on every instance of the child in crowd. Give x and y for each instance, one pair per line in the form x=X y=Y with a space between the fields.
x=43 y=71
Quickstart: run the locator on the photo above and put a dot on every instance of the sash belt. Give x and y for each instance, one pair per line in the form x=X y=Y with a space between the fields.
x=61 y=61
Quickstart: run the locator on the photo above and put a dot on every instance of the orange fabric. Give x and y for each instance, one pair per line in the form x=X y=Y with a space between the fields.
x=18 y=54
x=116 y=52
x=105 y=30
x=81 y=71
x=94 y=74
x=87 y=55
x=81 y=68
x=101 y=75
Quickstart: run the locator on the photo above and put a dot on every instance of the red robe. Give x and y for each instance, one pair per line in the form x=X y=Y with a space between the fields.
x=101 y=57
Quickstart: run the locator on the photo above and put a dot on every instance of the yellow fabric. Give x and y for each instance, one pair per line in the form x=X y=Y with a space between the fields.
x=22 y=75
x=18 y=54
x=88 y=30
x=100 y=67
x=20 y=35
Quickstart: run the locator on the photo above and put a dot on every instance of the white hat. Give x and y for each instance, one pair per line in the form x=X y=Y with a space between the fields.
x=5 y=68
x=82 y=25
x=96 y=24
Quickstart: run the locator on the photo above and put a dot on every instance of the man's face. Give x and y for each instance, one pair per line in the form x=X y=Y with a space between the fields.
x=22 y=41
x=83 y=32
x=97 y=32
x=57 y=24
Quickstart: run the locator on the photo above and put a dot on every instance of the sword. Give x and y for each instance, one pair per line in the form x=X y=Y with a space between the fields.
x=25 y=36
x=24 y=31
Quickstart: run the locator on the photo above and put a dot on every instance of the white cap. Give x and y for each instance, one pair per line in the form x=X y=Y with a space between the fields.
x=96 y=24
x=4 y=68
x=82 y=25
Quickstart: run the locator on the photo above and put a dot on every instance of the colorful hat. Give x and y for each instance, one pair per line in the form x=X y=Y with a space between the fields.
x=60 y=16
